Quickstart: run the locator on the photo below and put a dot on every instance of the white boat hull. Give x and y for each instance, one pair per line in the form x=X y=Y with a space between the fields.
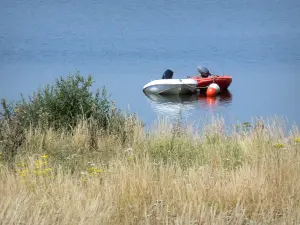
x=171 y=86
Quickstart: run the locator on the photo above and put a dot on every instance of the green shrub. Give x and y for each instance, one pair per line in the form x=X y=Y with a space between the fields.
x=61 y=105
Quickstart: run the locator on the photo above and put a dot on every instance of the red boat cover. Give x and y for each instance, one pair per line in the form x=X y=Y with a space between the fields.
x=222 y=81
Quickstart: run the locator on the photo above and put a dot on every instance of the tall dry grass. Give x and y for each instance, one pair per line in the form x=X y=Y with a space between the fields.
x=168 y=175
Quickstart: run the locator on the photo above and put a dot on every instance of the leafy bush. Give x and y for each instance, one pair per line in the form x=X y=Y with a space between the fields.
x=60 y=106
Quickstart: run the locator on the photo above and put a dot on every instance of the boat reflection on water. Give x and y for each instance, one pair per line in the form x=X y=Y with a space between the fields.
x=223 y=99
x=173 y=105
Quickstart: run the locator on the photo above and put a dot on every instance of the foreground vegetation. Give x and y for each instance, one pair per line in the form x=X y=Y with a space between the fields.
x=118 y=172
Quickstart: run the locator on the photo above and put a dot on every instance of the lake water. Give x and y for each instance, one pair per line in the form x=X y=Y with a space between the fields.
x=126 y=44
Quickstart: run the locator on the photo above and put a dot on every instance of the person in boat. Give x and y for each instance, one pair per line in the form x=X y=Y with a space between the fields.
x=203 y=71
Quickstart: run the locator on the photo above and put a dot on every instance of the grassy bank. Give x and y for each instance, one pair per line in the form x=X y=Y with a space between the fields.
x=168 y=175
x=68 y=156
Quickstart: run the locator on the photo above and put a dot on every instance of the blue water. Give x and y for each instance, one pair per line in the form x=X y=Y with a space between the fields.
x=126 y=44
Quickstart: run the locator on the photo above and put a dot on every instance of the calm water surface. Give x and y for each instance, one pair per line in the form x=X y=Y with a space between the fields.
x=126 y=44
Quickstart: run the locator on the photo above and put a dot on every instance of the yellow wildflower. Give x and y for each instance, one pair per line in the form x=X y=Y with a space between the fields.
x=43 y=171
x=278 y=145
x=97 y=170
x=23 y=173
x=45 y=156
x=83 y=179
x=297 y=140
x=94 y=171
x=39 y=163
x=21 y=164
x=91 y=169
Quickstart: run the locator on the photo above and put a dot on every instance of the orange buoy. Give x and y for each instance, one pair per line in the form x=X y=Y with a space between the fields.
x=212 y=90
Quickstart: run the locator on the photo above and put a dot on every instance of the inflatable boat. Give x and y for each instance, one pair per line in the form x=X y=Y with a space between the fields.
x=168 y=85
x=171 y=86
